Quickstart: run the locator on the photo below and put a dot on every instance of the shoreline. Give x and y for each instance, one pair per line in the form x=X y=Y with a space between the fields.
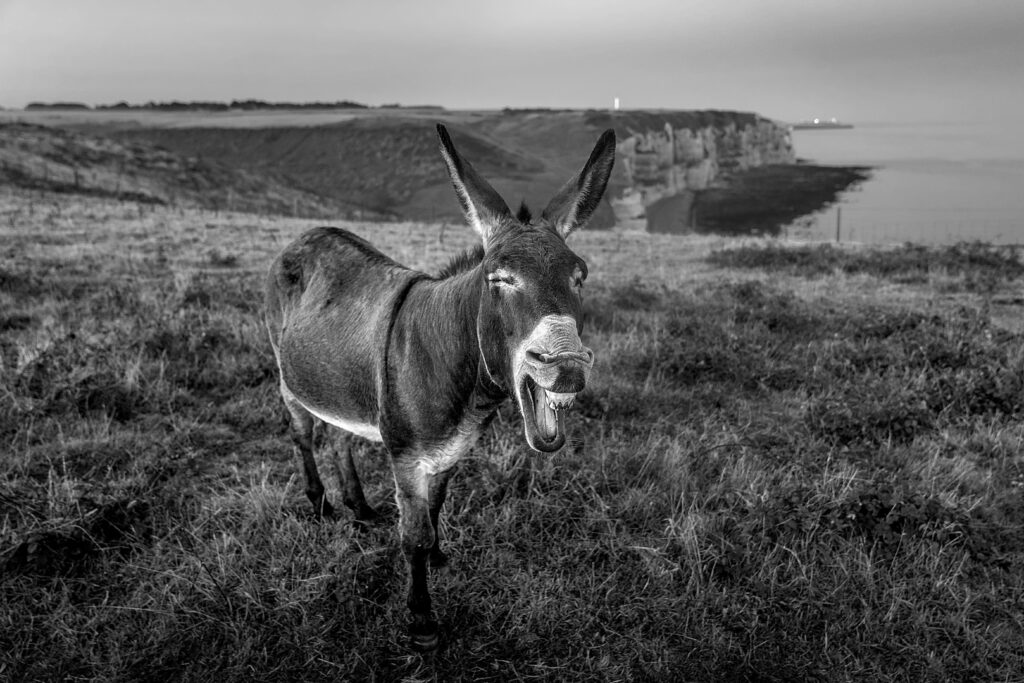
x=763 y=200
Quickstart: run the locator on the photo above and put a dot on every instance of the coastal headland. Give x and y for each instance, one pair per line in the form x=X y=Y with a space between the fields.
x=677 y=171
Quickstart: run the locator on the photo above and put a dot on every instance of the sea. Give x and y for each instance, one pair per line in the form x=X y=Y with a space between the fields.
x=932 y=183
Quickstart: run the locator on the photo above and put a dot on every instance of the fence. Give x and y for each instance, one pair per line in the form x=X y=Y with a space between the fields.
x=850 y=223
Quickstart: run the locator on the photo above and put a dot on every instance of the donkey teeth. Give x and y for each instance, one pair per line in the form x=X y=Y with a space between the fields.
x=560 y=401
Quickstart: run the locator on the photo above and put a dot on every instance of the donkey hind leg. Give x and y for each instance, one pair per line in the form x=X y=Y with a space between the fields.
x=437 y=488
x=351 y=488
x=417 y=533
x=302 y=435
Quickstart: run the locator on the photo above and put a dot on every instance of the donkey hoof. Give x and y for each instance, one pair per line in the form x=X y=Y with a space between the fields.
x=324 y=512
x=367 y=515
x=424 y=637
x=364 y=519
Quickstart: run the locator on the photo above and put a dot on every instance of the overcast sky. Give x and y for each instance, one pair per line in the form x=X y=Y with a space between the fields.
x=859 y=60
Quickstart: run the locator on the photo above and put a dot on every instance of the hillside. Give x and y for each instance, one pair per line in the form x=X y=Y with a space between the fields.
x=378 y=165
x=388 y=163
x=56 y=160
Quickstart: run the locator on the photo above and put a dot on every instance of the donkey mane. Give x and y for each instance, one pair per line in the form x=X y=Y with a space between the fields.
x=524 y=215
x=470 y=258
x=460 y=263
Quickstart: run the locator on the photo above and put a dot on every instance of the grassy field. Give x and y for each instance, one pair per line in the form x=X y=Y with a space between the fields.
x=799 y=463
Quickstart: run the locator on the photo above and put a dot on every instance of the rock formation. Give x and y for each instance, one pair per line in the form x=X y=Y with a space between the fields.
x=678 y=158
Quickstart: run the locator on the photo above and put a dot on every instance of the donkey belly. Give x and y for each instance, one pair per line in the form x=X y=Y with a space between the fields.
x=367 y=431
x=339 y=389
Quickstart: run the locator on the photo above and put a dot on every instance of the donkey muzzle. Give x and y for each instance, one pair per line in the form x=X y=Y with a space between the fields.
x=563 y=372
x=550 y=367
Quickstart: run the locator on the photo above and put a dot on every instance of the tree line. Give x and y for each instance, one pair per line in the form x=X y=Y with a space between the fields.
x=194 y=105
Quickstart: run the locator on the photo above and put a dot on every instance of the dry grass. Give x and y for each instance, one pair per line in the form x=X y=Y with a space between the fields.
x=771 y=477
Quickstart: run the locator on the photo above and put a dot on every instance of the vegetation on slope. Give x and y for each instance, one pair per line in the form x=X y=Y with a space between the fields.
x=628 y=122
x=59 y=161
x=377 y=164
x=771 y=478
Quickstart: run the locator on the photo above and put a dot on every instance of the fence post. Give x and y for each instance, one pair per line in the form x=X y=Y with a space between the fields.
x=839 y=221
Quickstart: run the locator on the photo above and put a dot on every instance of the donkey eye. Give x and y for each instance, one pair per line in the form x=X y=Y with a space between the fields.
x=501 y=277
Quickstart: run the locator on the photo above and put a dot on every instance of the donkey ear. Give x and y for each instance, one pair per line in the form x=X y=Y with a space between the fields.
x=483 y=206
x=576 y=202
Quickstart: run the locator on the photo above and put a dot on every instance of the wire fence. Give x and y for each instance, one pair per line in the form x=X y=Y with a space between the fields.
x=847 y=223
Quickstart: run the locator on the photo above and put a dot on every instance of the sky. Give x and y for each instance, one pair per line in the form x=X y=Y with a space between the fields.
x=858 y=60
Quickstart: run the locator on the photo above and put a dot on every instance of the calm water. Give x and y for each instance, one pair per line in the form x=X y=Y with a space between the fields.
x=933 y=183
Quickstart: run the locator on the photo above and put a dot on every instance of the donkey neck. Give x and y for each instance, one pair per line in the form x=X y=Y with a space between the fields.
x=449 y=311
x=461 y=294
x=434 y=350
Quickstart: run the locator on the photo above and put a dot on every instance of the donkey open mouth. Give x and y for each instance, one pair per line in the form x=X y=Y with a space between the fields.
x=551 y=367
x=543 y=414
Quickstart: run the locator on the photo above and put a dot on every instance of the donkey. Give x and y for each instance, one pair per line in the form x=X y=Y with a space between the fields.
x=421 y=363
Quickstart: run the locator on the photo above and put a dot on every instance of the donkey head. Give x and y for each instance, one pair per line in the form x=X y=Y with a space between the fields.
x=528 y=323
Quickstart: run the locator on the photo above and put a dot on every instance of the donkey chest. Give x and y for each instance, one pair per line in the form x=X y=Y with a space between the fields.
x=443 y=455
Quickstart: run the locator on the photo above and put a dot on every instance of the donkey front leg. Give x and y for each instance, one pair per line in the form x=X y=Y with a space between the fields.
x=302 y=435
x=437 y=488
x=412 y=485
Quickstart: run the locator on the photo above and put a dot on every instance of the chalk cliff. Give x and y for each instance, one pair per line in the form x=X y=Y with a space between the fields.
x=666 y=157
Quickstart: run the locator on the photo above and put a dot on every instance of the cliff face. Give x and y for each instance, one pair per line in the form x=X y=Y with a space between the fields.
x=663 y=165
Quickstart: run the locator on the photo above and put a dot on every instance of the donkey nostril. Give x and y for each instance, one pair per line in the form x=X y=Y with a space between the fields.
x=535 y=357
